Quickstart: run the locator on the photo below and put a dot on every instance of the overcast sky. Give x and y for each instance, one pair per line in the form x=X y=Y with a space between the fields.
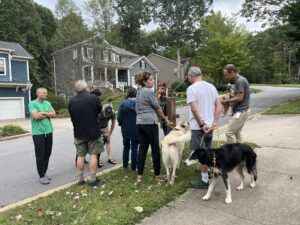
x=227 y=7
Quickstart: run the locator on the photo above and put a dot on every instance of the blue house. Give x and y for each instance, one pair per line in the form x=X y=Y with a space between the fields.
x=14 y=81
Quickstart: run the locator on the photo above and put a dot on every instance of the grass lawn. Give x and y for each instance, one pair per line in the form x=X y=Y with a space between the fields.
x=279 y=85
x=292 y=107
x=113 y=203
x=11 y=130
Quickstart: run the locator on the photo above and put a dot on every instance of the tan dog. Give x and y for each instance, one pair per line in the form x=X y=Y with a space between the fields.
x=226 y=106
x=172 y=148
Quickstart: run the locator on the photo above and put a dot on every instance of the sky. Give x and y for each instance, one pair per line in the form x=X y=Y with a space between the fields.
x=227 y=8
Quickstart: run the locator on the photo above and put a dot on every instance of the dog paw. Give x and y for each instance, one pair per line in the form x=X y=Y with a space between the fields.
x=252 y=185
x=228 y=200
x=205 y=197
x=240 y=188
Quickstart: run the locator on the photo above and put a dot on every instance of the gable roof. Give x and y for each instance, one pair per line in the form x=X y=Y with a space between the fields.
x=123 y=51
x=162 y=57
x=130 y=62
x=15 y=48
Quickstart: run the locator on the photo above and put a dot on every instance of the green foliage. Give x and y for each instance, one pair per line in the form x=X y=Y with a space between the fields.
x=65 y=7
x=33 y=26
x=179 y=86
x=57 y=102
x=293 y=107
x=62 y=113
x=11 y=130
x=223 y=43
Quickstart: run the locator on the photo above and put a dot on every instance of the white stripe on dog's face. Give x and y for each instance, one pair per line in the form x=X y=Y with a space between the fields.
x=189 y=162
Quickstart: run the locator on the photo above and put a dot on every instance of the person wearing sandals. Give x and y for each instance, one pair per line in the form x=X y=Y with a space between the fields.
x=84 y=109
x=105 y=116
x=127 y=121
x=148 y=110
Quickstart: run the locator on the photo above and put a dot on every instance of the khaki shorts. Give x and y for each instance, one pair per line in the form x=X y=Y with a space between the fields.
x=105 y=132
x=92 y=147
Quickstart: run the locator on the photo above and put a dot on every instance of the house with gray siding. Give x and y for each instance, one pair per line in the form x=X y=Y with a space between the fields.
x=14 y=81
x=99 y=63
x=167 y=68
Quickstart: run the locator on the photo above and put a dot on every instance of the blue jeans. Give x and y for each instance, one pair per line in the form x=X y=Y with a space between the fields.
x=134 y=146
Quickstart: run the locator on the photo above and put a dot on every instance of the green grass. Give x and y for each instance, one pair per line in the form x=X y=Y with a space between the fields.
x=113 y=203
x=279 y=85
x=11 y=130
x=292 y=107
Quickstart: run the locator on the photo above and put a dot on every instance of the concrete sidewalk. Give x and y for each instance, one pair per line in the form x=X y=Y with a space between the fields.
x=275 y=199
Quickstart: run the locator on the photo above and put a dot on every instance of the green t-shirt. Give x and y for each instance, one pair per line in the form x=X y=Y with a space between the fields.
x=40 y=126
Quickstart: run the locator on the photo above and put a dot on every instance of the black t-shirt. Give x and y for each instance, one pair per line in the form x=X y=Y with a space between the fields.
x=84 y=109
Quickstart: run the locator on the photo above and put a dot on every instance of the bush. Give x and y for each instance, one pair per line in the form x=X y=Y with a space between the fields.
x=222 y=87
x=62 y=113
x=11 y=130
x=179 y=86
x=57 y=102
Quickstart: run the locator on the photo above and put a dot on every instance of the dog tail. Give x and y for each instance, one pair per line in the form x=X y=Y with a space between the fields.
x=251 y=164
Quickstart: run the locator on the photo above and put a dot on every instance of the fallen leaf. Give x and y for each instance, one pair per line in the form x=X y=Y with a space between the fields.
x=74 y=206
x=58 y=214
x=102 y=192
x=83 y=191
x=76 y=197
x=19 y=217
x=67 y=193
x=49 y=212
x=41 y=211
x=136 y=191
x=139 y=209
x=110 y=193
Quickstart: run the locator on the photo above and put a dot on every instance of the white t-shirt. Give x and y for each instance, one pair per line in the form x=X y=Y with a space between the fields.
x=205 y=95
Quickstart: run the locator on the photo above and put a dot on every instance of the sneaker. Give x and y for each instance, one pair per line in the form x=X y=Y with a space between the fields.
x=95 y=183
x=199 y=184
x=80 y=182
x=47 y=177
x=44 y=180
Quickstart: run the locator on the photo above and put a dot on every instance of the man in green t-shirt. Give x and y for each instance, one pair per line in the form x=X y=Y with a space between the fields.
x=40 y=113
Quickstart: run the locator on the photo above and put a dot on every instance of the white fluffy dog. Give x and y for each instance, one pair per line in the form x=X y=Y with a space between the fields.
x=172 y=148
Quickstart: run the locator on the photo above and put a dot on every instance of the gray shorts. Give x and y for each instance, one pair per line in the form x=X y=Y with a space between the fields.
x=196 y=139
x=92 y=147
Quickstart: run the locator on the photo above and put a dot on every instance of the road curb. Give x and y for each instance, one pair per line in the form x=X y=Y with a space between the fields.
x=51 y=191
x=14 y=137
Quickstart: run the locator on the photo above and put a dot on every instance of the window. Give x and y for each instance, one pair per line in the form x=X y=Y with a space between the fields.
x=113 y=56
x=2 y=67
x=75 y=54
x=87 y=73
x=118 y=59
x=105 y=56
x=87 y=53
x=142 y=64
x=175 y=71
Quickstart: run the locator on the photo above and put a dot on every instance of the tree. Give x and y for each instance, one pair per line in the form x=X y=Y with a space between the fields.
x=102 y=12
x=32 y=26
x=223 y=43
x=65 y=7
x=132 y=15
x=71 y=30
x=179 y=19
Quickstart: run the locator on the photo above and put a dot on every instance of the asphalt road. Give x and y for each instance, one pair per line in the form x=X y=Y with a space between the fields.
x=18 y=175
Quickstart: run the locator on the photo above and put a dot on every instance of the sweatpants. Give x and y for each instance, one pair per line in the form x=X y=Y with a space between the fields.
x=43 y=148
x=148 y=135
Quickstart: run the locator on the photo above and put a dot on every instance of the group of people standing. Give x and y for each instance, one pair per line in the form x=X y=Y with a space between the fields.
x=139 y=115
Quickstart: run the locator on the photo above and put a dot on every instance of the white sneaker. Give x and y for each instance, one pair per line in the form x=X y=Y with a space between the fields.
x=44 y=181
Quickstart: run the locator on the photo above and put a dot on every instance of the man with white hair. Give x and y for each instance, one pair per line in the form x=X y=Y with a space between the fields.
x=41 y=111
x=205 y=110
x=84 y=109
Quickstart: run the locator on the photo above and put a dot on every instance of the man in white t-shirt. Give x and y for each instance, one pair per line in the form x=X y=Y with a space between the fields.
x=205 y=110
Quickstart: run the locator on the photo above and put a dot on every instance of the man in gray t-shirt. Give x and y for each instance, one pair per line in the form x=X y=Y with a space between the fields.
x=241 y=100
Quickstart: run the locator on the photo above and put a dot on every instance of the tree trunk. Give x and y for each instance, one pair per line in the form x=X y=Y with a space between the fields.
x=178 y=64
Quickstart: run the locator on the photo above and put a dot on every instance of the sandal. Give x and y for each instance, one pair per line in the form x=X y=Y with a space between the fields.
x=111 y=161
x=100 y=164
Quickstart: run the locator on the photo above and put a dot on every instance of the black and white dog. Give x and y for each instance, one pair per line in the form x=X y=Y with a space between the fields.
x=223 y=160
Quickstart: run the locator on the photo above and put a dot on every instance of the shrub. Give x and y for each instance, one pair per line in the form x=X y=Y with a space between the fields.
x=179 y=86
x=10 y=130
x=62 y=113
x=57 y=102
x=222 y=87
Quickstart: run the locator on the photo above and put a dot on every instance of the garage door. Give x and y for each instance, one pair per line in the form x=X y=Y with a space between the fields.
x=11 y=108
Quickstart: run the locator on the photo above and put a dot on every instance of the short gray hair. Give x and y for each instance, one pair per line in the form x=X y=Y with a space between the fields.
x=194 y=71
x=80 y=86
x=40 y=89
